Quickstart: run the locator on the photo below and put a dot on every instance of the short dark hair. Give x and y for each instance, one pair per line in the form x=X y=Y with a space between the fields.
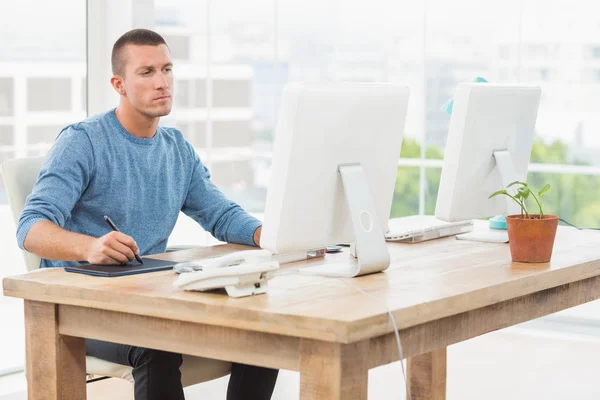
x=140 y=37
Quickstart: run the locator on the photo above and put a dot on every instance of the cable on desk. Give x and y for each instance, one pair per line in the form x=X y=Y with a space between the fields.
x=577 y=227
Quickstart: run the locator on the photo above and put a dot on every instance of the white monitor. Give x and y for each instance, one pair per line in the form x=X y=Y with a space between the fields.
x=489 y=146
x=336 y=148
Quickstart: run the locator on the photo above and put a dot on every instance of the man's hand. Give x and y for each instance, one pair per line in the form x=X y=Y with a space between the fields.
x=256 y=237
x=112 y=248
x=47 y=240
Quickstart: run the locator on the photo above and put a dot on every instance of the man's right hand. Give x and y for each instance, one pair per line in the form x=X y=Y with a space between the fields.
x=112 y=248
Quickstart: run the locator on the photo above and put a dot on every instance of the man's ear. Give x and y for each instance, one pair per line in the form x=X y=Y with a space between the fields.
x=117 y=83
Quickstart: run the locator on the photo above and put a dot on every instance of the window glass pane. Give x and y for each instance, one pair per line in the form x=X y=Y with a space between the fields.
x=179 y=46
x=406 y=192
x=573 y=197
x=232 y=134
x=48 y=94
x=231 y=93
x=232 y=172
x=558 y=38
x=7 y=135
x=7 y=102
x=199 y=94
x=195 y=133
x=432 y=184
x=182 y=94
x=43 y=134
x=84 y=94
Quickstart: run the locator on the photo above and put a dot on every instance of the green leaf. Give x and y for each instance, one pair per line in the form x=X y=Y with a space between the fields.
x=523 y=192
x=517 y=183
x=498 y=193
x=544 y=190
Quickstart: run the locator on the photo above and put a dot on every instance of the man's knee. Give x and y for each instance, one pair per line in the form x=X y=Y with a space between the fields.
x=141 y=356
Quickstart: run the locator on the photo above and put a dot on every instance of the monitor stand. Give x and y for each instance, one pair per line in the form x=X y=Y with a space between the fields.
x=508 y=175
x=370 y=247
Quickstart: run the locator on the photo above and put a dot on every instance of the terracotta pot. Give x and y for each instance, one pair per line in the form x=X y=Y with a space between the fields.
x=531 y=240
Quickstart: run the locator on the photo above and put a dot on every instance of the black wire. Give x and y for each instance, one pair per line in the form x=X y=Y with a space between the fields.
x=97 y=379
x=577 y=227
x=568 y=223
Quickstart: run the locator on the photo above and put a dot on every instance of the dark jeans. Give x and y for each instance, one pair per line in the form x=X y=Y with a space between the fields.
x=157 y=376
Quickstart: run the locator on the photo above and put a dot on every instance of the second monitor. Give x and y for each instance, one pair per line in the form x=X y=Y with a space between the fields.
x=489 y=146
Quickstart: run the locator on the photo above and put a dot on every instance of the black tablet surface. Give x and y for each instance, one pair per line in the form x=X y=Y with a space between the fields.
x=150 y=265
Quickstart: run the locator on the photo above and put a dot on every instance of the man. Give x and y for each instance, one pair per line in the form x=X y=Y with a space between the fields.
x=122 y=164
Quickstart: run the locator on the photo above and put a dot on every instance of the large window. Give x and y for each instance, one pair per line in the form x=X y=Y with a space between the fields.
x=229 y=81
x=42 y=75
x=234 y=59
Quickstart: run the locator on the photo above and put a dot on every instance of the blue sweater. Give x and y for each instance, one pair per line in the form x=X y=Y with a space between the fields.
x=97 y=168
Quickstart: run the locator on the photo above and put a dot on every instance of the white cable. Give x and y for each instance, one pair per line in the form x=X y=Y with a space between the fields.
x=295 y=271
x=400 y=353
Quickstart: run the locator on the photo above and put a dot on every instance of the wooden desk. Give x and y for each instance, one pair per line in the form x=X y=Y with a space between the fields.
x=440 y=292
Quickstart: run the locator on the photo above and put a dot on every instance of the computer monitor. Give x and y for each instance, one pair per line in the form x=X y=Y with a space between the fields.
x=489 y=146
x=334 y=168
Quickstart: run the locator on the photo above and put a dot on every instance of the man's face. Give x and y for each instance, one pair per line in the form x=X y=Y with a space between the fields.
x=148 y=79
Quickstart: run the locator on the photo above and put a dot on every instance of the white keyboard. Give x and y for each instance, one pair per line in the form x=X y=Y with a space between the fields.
x=417 y=225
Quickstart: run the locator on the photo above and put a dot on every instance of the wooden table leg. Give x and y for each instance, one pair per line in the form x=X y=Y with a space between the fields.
x=427 y=376
x=55 y=365
x=332 y=371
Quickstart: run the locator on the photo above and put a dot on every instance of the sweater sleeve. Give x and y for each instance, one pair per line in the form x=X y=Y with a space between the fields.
x=65 y=174
x=207 y=205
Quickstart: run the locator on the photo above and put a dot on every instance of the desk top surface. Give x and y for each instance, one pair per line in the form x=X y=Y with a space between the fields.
x=425 y=282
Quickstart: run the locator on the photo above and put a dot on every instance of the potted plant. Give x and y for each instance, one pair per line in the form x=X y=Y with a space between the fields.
x=530 y=236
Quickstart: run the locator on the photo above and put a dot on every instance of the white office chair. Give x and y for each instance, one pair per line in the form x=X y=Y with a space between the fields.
x=20 y=176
